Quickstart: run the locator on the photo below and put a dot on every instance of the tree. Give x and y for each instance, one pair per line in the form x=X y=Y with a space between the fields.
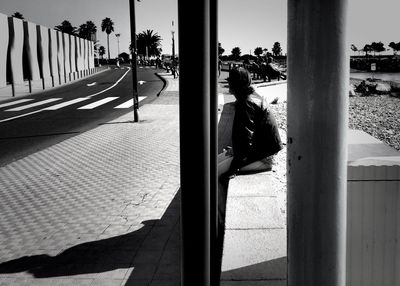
x=148 y=43
x=107 y=25
x=276 y=49
x=367 y=48
x=66 y=27
x=378 y=47
x=87 y=30
x=102 y=51
x=258 y=51
x=18 y=15
x=236 y=53
x=124 y=56
x=395 y=47
x=354 y=48
x=221 y=50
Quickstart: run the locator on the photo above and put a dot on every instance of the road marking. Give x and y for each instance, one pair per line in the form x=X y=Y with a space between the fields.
x=92 y=95
x=108 y=88
x=91 y=84
x=98 y=103
x=67 y=103
x=15 y=102
x=34 y=104
x=129 y=103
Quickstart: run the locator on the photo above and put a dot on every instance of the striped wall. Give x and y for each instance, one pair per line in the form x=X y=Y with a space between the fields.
x=30 y=52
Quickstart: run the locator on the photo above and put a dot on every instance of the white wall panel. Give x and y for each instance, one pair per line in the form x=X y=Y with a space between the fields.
x=4 y=35
x=73 y=53
x=43 y=51
x=67 y=54
x=60 y=54
x=15 y=49
x=373 y=226
x=30 y=46
x=53 y=53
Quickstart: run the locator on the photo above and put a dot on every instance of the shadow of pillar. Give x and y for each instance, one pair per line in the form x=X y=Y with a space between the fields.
x=151 y=253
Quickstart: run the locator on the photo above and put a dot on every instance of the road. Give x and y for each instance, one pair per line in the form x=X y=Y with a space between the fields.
x=31 y=123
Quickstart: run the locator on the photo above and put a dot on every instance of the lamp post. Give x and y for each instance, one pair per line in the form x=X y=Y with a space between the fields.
x=118 y=35
x=173 y=50
x=134 y=55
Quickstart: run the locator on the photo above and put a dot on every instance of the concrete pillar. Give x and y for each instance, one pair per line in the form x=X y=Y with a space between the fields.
x=15 y=49
x=53 y=55
x=195 y=134
x=4 y=35
x=318 y=75
x=216 y=234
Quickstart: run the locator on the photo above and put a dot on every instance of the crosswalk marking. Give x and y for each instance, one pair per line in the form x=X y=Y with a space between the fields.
x=15 y=102
x=98 y=103
x=129 y=103
x=67 y=103
x=34 y=104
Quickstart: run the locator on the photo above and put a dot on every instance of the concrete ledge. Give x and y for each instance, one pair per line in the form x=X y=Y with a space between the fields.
x=247 y=257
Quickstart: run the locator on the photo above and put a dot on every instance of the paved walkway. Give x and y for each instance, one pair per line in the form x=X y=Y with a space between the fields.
x=100 y=208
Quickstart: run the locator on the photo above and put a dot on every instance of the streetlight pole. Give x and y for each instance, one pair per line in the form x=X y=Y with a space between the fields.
x=134 y=61
x=173 y=50
x=118 y=35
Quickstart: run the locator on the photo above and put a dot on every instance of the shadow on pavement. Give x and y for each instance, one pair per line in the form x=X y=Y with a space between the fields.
x=144 y=250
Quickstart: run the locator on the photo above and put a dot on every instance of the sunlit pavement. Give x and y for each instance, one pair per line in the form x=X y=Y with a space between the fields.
x=100 y=208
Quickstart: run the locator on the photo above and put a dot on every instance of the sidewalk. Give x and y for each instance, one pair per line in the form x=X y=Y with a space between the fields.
x=100 y=208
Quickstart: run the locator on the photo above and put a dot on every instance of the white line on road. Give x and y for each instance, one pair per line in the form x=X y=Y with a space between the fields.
x=129 y=103
x=67 y=103
x=15 y=102
x=34 y=104
x=98 y=103
x=40 y=110
x=108 y=88
x=91 y=84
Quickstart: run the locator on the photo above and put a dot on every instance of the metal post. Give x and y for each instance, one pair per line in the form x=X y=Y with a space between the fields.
x=118 y=35
x=173 y=50
x=134 y=61
x=194 y=19
x=215 y=232
x=318 y=75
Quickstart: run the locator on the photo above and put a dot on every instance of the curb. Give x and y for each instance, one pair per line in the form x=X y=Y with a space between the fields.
x=270 y=83
x=165 y=83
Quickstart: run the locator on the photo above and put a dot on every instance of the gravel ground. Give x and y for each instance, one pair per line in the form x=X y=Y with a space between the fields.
x=377 y=115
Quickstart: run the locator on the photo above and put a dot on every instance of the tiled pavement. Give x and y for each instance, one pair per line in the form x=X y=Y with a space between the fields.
x=100 y=208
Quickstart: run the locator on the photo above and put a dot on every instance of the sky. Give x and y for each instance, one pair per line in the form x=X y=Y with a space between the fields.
x=242 y=23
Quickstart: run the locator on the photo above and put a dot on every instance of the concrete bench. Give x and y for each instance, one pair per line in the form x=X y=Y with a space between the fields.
x=255 y=247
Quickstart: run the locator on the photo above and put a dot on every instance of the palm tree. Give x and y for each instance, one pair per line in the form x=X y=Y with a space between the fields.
x=87 y=30
x=107 y=25
x=148 y=43
x=66 y=27
x=102 y=51
x=258 y=51
x=18 y=15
